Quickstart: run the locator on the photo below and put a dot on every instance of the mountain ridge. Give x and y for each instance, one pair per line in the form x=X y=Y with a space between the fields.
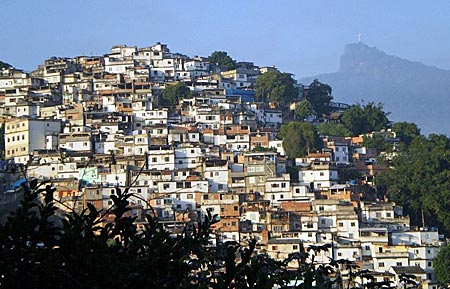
x=410 y=90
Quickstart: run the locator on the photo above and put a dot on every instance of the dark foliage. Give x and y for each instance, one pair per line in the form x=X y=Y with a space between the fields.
x=222 y=59
x=419 y=179
x=172 y=93
x=319 y=95
x=276 y=87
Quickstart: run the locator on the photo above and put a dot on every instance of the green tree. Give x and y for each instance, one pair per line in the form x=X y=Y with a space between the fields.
x=333 y=129
x=363 y=119
x=378 y=142
x=319 y=95
x=375 y=116
x=406 y=131
x=441 y=265
x=419 y=179
x=354 y=120
x=173 y=92
x=222 y=59
x=299 y=138
x=276 y=87
x=303 y=109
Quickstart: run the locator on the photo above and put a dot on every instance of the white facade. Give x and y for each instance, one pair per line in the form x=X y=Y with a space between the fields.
x=23 y=135
x=323 y=176
x=161 y=158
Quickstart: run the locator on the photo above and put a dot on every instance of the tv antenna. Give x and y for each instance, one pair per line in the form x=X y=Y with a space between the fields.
x=359 y=37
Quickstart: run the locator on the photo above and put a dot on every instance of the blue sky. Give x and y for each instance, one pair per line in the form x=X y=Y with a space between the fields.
x=300 y=37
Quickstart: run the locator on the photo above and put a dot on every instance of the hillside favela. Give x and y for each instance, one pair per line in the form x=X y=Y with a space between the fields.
x=148 y=168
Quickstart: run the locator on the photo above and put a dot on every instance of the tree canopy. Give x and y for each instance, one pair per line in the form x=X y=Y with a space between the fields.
x=276 y=87
x=333 y=129
x=363 y=119
x=377 y=141
x=419 y=179
x=303 y=109
x=172 y=93
x=222 y=59
x=441 y=265
x=406 y=131
x=319 y=95
x=299 y=138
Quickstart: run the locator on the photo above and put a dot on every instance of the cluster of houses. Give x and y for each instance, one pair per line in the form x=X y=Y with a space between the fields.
x=92 y=124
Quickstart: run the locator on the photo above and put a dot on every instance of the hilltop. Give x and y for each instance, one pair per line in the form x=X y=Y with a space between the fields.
x=409 y=90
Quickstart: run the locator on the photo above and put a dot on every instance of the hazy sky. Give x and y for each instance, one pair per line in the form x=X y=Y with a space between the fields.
x=301 y=37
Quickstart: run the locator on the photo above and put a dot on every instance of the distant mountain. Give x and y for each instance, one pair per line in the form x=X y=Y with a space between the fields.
x=411 y=91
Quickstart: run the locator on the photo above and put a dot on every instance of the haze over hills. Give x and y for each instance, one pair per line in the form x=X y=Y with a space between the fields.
x=410 y=91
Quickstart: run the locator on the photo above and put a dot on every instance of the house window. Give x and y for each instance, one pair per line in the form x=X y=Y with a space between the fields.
x=294 y=247
x=399 y=264
x=381 y=264
x=429 y=264
x=352 y=224
x=323 y=221
x=341 y=224
x=190 y=196
x=205 y=197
